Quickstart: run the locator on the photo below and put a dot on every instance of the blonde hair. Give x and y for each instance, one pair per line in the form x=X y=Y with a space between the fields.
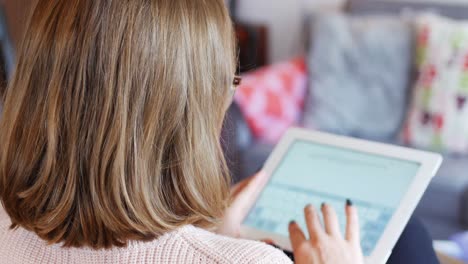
x=112 y=120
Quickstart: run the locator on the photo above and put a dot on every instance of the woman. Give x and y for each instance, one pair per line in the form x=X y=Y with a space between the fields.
x=110 y=142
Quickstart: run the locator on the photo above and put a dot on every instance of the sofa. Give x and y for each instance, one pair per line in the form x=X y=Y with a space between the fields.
x=444 y=207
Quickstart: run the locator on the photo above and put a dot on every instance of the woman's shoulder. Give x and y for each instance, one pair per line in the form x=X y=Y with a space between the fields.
x=230 y=250
x=185 y=244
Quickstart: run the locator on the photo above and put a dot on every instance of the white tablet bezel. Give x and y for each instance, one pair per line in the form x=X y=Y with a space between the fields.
x=430 y=163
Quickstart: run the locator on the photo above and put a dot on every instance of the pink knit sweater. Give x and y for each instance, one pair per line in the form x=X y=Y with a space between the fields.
x=186 y=245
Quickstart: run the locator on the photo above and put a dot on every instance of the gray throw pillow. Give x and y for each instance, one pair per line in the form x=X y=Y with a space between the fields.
x=359 y=75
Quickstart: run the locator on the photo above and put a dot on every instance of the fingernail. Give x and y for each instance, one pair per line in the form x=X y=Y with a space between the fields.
x=292 y=222
x=349 y=203
x=323 y=205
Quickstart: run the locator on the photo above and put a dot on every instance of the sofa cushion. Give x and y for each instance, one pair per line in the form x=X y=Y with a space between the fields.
x=444 y=196
x=254 y=158
x=438 y=118
x=272 y=98
x=359 y=75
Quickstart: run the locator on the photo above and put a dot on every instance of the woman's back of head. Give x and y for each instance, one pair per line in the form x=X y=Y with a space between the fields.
x=112 y=118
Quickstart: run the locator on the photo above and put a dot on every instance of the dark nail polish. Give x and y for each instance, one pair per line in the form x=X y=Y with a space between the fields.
x=292 y=222
x=323 y=205
x=349 y=203
x=289 y=254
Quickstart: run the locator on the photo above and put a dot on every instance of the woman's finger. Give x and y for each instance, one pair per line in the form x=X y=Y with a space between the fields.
x=296 y=235
x=330 y=220
x=268 y=241
x=243 y=193
x=313 y=224
x=247 y=183
x=352 y=224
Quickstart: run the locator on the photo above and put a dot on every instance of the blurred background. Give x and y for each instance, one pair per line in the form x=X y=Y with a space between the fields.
x=394 y=71
x=385 y=70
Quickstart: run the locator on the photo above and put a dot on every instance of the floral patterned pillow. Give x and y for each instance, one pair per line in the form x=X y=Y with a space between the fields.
x=438 y=117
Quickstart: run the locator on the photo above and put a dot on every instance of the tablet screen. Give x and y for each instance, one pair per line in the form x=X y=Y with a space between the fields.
x=312 y=173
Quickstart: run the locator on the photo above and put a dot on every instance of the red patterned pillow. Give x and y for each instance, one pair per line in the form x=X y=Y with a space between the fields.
x=272 y=98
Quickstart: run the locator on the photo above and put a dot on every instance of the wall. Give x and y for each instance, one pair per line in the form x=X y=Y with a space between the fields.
x=284 y=19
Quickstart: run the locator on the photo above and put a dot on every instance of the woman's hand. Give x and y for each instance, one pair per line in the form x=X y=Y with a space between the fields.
x=242 y=195
x=327 y=245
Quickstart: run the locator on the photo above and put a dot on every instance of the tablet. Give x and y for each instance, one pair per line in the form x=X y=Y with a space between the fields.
x=384 y=182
